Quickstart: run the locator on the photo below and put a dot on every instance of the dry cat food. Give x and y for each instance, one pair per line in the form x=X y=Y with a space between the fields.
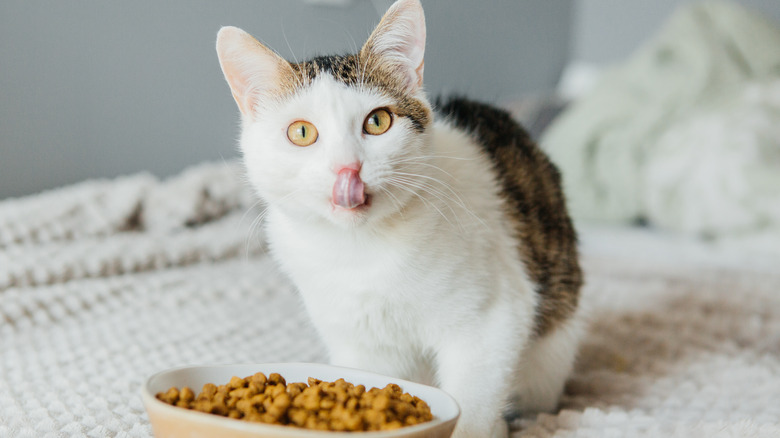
x=339 y=405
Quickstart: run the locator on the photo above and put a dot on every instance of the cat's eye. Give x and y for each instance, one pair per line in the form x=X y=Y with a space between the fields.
x=378 y=122
x=302 y=133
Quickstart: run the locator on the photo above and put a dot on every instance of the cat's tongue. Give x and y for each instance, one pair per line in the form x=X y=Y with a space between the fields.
x=348 y=191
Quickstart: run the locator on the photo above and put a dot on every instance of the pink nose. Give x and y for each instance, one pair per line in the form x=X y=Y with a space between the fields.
x=348 y=191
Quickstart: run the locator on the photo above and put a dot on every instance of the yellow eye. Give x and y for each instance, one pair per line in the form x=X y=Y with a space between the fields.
x=378 y=122
x=302 y=133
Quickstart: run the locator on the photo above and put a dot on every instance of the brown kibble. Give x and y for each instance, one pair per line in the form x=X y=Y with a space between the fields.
x=353 y=422
x=395 y=389
x=312 y=391
x=171 y=396
x=218 y=408
x=186 y=394
x=395 y=424
x=255 y=388
x=208 y=390
x=381 y=402
x=240 y=393
x=403 y=409
x=255 y=417
x=338 y=405
x=282 y=401
x=276 y=412
x=298 y=416
x=276 y=378
x=295 y=388
x=258 y=379
x=258 y=399
x=337 y=425
x=200 y=405
x=245 y=406
x=374 y=417
x=311 y=402
x=278 y=389
x=236 y=382
x=234 y=414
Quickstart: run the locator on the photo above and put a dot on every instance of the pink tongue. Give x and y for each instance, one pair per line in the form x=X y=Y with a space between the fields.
x=348 y=189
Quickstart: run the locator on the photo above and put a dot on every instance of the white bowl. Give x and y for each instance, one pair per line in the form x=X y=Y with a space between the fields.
x=174 y=422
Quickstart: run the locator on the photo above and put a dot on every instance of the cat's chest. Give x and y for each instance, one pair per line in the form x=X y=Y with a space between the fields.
x=345 y=265
x=355 y=274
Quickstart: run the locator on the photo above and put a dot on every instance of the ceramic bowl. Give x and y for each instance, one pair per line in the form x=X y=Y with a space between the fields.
x=174 y=422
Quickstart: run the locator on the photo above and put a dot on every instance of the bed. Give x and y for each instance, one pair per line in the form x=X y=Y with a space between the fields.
x=106 y=282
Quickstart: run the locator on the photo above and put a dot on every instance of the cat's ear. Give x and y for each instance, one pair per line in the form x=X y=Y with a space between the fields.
x=253 y=71
x=399 y=39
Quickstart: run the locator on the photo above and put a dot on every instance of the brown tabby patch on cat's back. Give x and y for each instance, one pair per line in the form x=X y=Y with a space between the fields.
x=531 y=186
x=371 y=72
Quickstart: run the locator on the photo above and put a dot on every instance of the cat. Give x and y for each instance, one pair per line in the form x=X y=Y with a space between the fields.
x=427 y=245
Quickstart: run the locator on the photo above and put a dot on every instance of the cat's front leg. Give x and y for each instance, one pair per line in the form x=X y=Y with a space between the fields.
x=476 y=369
x=380 y=361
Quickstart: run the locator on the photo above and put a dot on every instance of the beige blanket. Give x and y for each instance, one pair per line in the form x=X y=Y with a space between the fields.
x=107 y=282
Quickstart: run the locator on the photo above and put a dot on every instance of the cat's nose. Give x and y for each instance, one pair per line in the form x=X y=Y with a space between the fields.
x=348 y=190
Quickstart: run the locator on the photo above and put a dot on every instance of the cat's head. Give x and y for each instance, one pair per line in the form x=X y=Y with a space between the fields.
x=339 y=138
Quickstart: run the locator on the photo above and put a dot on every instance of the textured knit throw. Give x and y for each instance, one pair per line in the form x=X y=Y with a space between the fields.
x=106 y=282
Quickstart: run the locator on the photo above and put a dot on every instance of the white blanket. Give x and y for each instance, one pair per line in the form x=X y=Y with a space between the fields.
x=107 y=282
x=685 y=133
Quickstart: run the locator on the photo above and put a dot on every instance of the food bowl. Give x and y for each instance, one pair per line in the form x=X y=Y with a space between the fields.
x=175 y=422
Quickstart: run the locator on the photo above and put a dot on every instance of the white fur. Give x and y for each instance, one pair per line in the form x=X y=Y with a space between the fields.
x=433 y=288
x=425 y=281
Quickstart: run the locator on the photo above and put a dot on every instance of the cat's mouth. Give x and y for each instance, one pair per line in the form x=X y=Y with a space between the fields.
x=359 y=208
x=351 y=217
x=349 y=192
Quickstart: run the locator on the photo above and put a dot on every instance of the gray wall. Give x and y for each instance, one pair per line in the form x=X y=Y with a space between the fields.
x=97 y=88
x=607 y=31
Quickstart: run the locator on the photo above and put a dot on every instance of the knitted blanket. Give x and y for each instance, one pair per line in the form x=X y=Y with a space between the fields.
x=106 y=282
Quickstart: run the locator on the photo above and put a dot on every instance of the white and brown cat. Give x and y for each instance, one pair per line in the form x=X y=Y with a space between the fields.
x=427 y=244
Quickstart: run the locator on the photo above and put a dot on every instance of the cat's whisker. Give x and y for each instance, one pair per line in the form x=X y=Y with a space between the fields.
x=455 y=198
x=352 y=38
x=433 y=166
x=361 y=72
x=444 y=197
x=252 y=229
x=251 y=225
x=366 y=62
x=256 y=224
x=431 y=179
x=425 y=157
x=250 y=208
x=394 y=199
x=411 y=189
x=286 y=41
x=433 y=191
